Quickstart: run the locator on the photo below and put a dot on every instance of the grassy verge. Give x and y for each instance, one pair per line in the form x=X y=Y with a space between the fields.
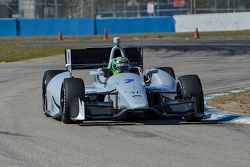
x=239 y=102
x=129 y=36
x=13 y=52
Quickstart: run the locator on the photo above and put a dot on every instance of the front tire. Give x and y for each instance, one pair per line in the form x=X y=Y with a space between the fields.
x=72 y=89
x=168 y=70
x=191 y=87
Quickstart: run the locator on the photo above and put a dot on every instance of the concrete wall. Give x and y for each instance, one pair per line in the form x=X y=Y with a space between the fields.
x=180 y=23
x=50 y=27
x=212 y=22
x=8 y=27
x=135 y=25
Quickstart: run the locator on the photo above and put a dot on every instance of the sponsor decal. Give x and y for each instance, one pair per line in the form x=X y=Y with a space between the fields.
x=136 y=92
x=91 y=92
x=137 y=97
x=129 y=80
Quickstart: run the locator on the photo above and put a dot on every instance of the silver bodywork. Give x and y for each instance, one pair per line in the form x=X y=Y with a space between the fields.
x=129 y=92
x=125 y=92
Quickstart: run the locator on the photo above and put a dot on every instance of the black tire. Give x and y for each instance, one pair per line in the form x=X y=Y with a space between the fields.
x=168 y=70
x=72 y=88
x=48 y=75
x=191 y=86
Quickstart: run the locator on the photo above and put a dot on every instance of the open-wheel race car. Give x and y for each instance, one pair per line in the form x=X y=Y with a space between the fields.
x=117 y=96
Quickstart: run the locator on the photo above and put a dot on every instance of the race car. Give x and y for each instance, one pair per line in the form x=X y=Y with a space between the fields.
x=153 y=91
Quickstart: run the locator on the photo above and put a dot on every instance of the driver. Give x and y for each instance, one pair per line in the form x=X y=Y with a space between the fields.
x=120 y=65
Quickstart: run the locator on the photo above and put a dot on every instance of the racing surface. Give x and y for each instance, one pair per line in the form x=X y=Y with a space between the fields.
x=28 y=138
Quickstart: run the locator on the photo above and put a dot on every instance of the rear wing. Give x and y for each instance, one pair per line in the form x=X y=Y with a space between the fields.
x=91 y=58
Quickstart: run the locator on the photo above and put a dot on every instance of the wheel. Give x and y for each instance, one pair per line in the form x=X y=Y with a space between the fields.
x=48 y=75
x=168 y=70
x=191 y=86
x=72 y=89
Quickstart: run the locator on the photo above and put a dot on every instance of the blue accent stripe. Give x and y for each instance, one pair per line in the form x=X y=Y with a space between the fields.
x=55 y=102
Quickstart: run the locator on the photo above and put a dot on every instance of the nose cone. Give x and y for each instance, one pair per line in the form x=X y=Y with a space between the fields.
x=132 y=99
x=132 y=93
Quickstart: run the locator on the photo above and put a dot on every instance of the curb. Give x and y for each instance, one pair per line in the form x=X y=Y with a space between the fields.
x=214 y=114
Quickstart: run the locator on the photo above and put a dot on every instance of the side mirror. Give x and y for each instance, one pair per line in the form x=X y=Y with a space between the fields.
x=151 y=71
x=96 y=73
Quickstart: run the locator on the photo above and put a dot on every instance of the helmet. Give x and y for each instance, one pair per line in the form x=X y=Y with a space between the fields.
x=119 y=65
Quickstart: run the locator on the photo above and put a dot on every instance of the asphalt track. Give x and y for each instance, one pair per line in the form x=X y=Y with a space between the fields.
x=28 y=138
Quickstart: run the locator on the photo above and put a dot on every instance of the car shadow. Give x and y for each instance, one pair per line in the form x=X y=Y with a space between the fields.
x=177 y=122
x=143 y=122
x=108 y=123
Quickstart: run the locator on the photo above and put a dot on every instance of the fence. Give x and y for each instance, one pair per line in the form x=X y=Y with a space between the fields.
x=116 y=8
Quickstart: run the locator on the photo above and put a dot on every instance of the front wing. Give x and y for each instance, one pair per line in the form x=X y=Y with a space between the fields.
x=105 y=110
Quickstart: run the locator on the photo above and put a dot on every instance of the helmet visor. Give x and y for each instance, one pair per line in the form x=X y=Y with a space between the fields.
x=123 y=67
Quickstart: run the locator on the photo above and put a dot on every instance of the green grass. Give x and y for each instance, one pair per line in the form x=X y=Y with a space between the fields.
x=243 y=98
x=129 y=36
x=239 y=102
x=14 y=52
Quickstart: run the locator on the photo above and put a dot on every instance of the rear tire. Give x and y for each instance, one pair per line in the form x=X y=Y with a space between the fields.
x=191 y=86
x=48 y=75
x=72 y=88
x=168 y=70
